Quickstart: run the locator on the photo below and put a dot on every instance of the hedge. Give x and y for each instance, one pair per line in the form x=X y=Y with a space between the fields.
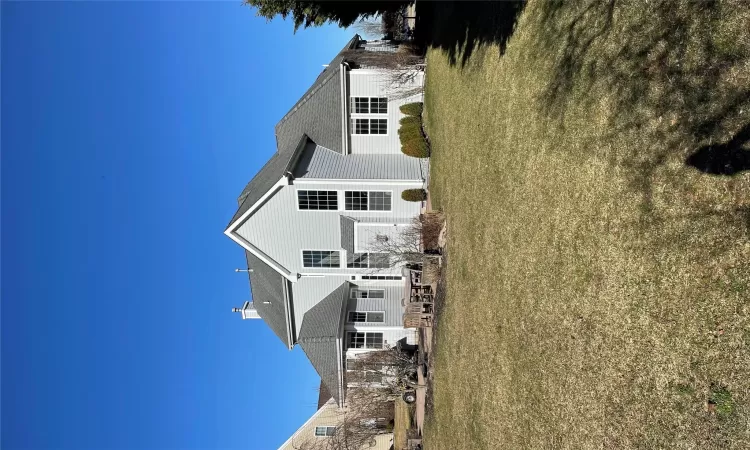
x=412 y=109
x=409 y=132
x=416 y=147
x=414 y=195
x=411 y=121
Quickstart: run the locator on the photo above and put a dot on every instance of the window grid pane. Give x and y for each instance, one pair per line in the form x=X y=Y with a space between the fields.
x=360 y=105
x=356 y=340
x=320 y=258
x=361 y=126
x=356 y=316
x=381 y=277
x=375 y=317
x=374 y=340
x=379 y=105
x=378 y=126
x=380 y=201
x=317 y=200
x=355 y=200
x=379 y=260
x=357 y=261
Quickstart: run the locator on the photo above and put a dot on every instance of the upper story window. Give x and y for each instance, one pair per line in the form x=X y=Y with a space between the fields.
x=364 y=340
x=325 y=431
x=321 y=258
x=368 y=261
x=367 y=201
x=366 y=316
x=368 y=293
x=369 y=105
x=369 y=126
x=318 y=200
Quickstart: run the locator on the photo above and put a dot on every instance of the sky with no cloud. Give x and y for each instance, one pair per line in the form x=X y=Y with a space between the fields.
x=128 y=130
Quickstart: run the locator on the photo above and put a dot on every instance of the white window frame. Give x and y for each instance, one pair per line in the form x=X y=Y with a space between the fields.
x=369 y=265
x=381 y=277
x=353 y=105
x=325 y=433
x=366 y=334
x=338 y=199
x=353 y=126
x=367 y=316
x=342 y=204
x=353 y=293
x=302 y=257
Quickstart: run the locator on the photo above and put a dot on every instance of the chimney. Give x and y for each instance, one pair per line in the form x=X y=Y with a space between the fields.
x=248 y=311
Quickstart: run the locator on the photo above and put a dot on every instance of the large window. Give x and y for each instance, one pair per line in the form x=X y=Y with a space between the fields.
x=366 y=316
x=321 y=258
x=325 y=431
x=317 y=200
x=370 y=105
x=367 y=200
x=368 y=261
x=359 y=339
x=368 y=293
x=369 y=126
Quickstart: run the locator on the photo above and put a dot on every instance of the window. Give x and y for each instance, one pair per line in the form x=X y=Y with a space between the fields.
x=367 y=200
x=370 y=105
x=320 y=258
x=370 y=126
x=368 y=293
x=368 y=261
x=317 y=200
x=364 y=340
x=381 y=277
x=366 y=316
x=325 y=431
x=379 y=105
x=355 y=200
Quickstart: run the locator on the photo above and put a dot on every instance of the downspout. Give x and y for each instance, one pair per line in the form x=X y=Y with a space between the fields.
x=344 y=116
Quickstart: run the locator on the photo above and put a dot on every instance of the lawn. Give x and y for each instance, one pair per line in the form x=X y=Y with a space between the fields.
x=592 y=161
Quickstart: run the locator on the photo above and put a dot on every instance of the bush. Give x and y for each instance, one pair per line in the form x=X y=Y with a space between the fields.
x=408 y=133
x=411 y=121
x=414 y=195
x=412 y=109
x=416 y=147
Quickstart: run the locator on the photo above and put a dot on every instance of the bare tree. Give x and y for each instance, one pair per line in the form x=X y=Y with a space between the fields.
x=370 y=28
x=408 y=245
x=402 y=68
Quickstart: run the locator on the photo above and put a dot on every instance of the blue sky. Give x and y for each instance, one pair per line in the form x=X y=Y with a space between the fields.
x=128 y=130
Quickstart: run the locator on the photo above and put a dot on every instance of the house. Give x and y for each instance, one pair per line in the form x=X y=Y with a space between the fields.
x=309 y=219
x=324 y=423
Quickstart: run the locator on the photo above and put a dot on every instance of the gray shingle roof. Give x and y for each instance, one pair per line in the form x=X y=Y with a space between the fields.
x=267 y=288
x=316 y=115
x=318 y=336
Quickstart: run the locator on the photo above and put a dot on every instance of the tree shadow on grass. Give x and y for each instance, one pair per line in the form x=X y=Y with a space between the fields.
x=459 y=28
x=728 y=158
x=664 y=75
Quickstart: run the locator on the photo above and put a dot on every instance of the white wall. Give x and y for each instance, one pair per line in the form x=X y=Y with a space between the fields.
x=282 y=231
x=372 y=83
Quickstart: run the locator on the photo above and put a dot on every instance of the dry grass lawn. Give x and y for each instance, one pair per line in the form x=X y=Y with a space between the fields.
x=598 y=207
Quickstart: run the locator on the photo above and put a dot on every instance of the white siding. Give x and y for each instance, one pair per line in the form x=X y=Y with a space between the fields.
x=281 y=231
x=367 y=233
x=390 y=305
x=372 y=83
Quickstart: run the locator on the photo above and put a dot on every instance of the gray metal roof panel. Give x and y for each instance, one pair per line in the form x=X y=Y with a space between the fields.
x=321 y=328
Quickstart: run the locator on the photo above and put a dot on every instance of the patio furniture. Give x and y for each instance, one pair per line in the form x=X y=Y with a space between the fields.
x=417 y=320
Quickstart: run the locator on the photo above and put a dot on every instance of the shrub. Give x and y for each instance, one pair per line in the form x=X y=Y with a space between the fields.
x=410 y=132
x=411 y=121
x=416 y=147
x=412 y=109
x=414 y=195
